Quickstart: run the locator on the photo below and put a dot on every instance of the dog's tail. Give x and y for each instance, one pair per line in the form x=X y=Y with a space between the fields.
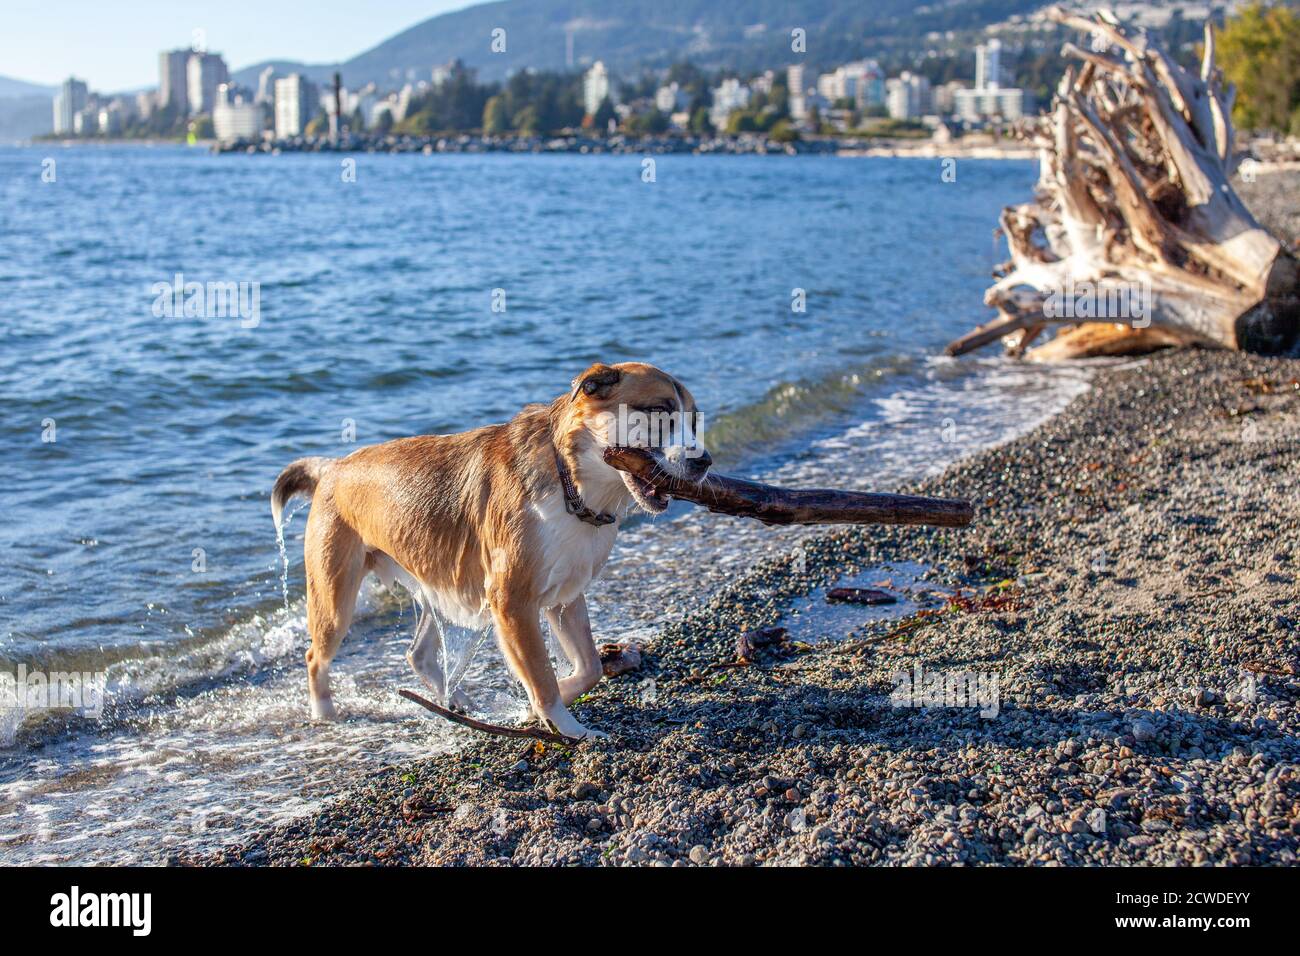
x=300 y=478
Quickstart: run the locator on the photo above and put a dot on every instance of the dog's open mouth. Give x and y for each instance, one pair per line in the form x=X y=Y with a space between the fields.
x=645 y=494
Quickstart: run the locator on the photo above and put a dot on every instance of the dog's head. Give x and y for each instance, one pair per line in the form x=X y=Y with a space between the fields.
x=639 y=406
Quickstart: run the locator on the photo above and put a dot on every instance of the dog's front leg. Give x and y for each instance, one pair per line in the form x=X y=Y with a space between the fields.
x=519 y=630
x=572 y=628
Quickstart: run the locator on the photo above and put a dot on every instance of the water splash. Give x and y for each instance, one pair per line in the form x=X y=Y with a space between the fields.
x=284 y=567
x=458 y=672
x=446 y=662
x=284 y=555
x=12 y=709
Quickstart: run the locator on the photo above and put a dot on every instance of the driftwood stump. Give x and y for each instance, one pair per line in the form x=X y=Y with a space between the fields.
x=1136 y=238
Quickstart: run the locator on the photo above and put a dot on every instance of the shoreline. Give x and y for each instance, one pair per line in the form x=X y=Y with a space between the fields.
x=954 y=149
x=1128 y=587
x=829 y=146
x=745 y=145
x=1275 y=163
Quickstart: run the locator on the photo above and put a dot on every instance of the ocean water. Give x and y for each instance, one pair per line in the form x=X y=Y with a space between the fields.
x=137 y=449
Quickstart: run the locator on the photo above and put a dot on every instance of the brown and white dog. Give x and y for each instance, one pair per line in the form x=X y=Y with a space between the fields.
x=497 y=525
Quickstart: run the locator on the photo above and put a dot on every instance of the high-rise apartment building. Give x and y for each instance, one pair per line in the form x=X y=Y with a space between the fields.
x=595 y=87
x=204 y=73
x=173 y=79
x=293 y=105
x=68 y=102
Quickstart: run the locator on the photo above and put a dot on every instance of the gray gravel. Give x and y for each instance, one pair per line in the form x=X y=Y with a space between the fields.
x=1272 y=197
x=1130 y=584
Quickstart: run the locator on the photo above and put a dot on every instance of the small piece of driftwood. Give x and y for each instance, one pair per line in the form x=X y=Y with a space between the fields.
x=619 y=658
x=781 y=506
x=867 y=596
x=749 y=642
x=535 y=733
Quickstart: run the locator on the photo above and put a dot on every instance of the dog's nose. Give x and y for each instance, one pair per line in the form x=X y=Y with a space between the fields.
x=701 y=463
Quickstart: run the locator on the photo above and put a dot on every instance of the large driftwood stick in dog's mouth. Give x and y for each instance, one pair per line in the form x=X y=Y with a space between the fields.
x=773 y=505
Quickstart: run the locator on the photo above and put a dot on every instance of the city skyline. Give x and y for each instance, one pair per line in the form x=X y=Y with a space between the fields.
x=196 y=93
x=116 y=55
x=195 y=87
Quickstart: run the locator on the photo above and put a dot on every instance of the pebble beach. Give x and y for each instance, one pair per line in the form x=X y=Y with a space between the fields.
x=1116 y=637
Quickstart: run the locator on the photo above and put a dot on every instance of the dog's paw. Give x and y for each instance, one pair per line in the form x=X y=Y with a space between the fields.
x=322 y=709
x=580 y=732
x=460 y=701
x=560 y=721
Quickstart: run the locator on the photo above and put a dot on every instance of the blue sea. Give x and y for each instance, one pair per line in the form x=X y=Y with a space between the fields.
x=804 y=300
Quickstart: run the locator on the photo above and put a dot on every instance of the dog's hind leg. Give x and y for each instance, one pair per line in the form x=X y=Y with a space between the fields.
x=335 y=564
x=429 y=658
x=572 y=629
x=427 y=654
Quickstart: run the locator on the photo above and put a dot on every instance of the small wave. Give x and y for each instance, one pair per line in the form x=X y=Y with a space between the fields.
x=134 y=673
x=267 y=639
x=790 y=409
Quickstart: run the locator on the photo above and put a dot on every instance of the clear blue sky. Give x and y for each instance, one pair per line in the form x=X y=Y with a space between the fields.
x=114 y=44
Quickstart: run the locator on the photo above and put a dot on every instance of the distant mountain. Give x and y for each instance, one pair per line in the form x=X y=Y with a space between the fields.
x=11 y=87
x=22 y=117
x=248 y=76
x=629 y=34
x=26 y=109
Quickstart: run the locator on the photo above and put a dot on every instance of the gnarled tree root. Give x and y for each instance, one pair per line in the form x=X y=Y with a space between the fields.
x=1135 y=221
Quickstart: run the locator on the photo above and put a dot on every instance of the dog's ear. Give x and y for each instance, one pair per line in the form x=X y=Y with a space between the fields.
x=597 y=382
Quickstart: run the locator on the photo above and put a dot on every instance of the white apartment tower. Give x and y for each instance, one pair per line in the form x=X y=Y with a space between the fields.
x=595 y=87
x=293 y=105
x=68 y=102
x=204 y=73
x=908 y=96
x=988 y=65
x=794 y=81
x=173 y=76
x=992 y=95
